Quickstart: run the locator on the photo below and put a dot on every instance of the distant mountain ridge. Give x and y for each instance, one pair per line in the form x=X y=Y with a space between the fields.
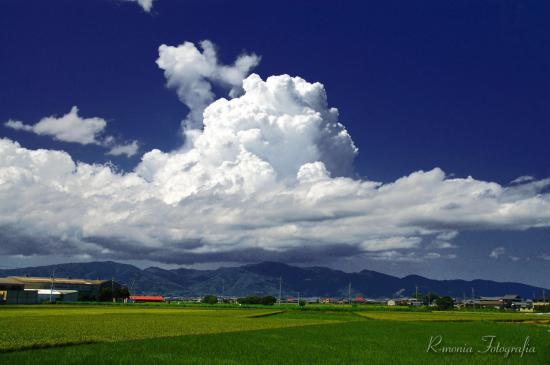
x=263 y=278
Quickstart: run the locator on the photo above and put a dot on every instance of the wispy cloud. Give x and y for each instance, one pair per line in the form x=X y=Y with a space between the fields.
x=523 y=179
x=497 y=252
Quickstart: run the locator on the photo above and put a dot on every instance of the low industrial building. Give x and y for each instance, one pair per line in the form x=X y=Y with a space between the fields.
x=86 y=288
x=13 y=292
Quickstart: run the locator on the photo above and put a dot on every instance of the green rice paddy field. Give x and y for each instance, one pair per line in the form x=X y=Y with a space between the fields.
x=104 y=334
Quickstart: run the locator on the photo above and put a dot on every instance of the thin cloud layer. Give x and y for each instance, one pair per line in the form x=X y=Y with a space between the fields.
x=267 y=177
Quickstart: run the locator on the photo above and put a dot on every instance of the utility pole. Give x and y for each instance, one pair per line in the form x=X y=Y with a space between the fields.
x=298 y=298
x=544 y=295
x=52 y=285
x=223 y=289
x=113 y=289
x=349 y=293
x=416 y=293
x=473 y=298
x=280 y=288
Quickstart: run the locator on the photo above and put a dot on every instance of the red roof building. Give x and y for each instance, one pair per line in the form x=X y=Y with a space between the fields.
x=147 y=298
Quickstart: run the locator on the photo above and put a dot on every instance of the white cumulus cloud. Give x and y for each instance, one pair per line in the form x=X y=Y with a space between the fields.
x=73 y=128
x=267 y=176
x=129 y=149
x=146 y=5
x=67 y=128
x=192 y=71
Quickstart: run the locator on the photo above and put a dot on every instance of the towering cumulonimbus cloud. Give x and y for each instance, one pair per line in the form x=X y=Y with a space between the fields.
x=250 y=143
x=268 y=174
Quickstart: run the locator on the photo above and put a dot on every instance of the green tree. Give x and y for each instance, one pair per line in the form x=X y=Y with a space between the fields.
x=302 y=303
x=430 y=297
x=444 y=302
x=255 y=299
x=268 y=300
x=210 y=299
x=122 y=293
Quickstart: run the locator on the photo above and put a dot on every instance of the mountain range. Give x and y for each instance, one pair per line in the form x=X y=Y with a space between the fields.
x=263 y=279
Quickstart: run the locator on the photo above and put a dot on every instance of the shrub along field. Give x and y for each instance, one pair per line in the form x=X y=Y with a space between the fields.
x=165 y=335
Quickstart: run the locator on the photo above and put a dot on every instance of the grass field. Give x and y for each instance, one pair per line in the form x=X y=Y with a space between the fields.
x=457 y=316
x=164 y=335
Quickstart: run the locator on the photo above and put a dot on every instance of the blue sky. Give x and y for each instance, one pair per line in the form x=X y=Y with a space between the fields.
x=461 y=86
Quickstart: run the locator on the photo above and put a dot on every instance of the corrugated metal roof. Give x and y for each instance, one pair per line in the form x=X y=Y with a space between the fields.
x=29 y=280
x=10 y=281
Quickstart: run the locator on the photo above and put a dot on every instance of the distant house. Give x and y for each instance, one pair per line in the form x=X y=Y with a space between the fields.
x=489 y=302
x=146 y=298
x=404 y=302
x=509 y=301
x=524 y=306
x=541 y=303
